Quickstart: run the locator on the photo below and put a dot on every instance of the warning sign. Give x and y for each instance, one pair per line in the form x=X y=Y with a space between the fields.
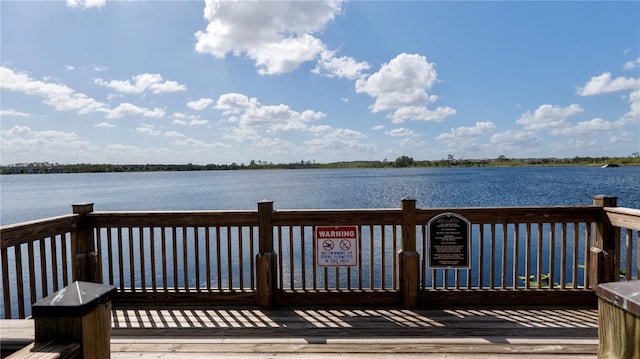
x=337 y=246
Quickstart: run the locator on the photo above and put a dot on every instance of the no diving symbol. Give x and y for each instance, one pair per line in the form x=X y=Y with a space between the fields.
x=327 y=245
x=345 y=245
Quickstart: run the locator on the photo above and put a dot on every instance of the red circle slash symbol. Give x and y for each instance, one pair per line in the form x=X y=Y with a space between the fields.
x=345 y=245
x=327 y=245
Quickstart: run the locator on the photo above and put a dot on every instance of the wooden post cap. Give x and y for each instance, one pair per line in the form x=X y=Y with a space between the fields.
x=625 y=295
x=74 y=300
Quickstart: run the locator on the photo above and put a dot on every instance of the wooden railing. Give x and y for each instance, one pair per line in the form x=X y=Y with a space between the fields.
x=266 y=257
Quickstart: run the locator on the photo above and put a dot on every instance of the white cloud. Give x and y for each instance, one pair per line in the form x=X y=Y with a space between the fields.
x=633 y=116
x=251 y=113
x=141 y=83
x=401 y=86
x=285 y=56
x=515 y=140
x=59 y=96
x=337 y=141
x=148 y=130
x=197 y=122
x=197 y=144
x=604 y=84
x=12 y=112
x=104 y=125
x=63 y=98
x=200 y=104
x=591 y=126
x=100 y=68
x=85 y=4
x=632 y=64
x=70 y=68
x=401 y=132
x=464 y=133
x=22 y=144
x=341 y=67
x=548 y=117
x=378 y=127
x=173 y=134
x=421 y=113
x=125 y=109
x=275 y=34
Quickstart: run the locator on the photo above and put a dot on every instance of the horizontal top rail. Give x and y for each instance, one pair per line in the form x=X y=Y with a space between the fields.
x=174 y=218
x=25 y=232
x=623 y=217
x=337 y=217
x=500 y=215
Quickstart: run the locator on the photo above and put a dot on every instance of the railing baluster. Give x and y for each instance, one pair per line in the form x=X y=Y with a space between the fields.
x=516 y=245
x=163 y=246
x=143 y=278
x=552 y=254
x=503 y=277
x=394 y=257
x=251 y=261
x=563 y=256
x=576 y=245
x=382 y=257
x=240 y=259
x=527 y=256
x=492 y=257
x=185 y=258
x=32 y=273
x=360 y=279
x=314 y=261
x=152 y=249
x=207 y=257
x=120 y=232
x=587 y=249
x=196 y=255
x=371 y=258
x=229 y=260
x=6 y=289
x=218 y=259
x=54 y=262
x=174 y=255
x=132 y=261
x=303 y=264
x=291 y=260
x=20 y=280
x=539 y=256
x=628 y=255
x=43 y=267
x=481 y=256
x=65 y=258
x=280 y=259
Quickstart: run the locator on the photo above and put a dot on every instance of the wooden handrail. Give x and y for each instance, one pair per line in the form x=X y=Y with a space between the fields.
x=202 y=256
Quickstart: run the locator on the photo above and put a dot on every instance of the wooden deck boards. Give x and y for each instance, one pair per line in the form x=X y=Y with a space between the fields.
x=249 y=332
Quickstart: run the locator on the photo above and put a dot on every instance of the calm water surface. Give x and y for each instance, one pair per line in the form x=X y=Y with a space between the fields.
x=27 y=197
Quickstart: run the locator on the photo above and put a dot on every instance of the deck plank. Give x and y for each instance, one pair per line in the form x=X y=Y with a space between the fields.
x=348 y=333
x=317 y=332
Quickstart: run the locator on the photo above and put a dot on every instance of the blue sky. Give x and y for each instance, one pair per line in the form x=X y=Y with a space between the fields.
x=284 y=81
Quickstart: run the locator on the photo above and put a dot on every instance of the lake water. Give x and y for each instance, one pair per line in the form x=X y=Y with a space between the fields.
x=27 y=197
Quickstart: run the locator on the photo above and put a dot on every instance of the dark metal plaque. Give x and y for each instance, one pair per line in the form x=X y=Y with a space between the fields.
x=449 y=241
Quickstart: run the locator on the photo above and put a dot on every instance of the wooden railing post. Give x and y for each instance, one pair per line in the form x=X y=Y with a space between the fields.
x=80 y=313
x=266 y=259
x=408 y=257
x=86 y=259
x=603 y=255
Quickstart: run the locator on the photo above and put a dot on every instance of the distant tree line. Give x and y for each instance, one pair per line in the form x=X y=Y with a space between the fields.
x=402 y=161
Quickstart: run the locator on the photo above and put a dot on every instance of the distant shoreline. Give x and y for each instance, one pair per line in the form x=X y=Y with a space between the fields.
x=400 y=162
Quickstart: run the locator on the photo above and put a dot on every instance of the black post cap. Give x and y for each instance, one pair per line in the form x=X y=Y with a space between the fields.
x=74 y=300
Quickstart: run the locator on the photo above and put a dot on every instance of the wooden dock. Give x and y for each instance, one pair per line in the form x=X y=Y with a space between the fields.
x=347 y=332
